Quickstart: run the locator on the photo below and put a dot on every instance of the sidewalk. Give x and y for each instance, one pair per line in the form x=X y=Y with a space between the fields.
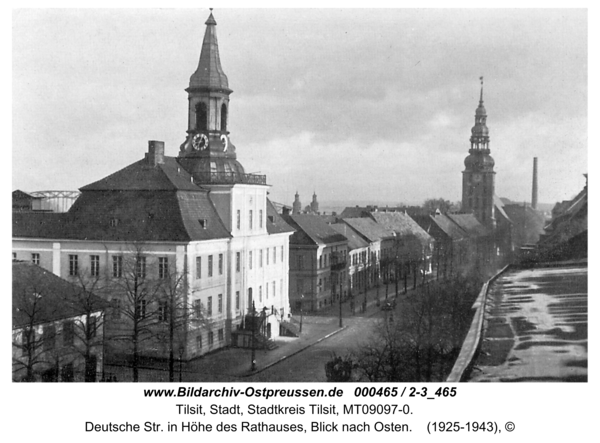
x=234 y=364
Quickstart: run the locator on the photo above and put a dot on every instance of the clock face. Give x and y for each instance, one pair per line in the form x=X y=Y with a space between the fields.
x=200 y=142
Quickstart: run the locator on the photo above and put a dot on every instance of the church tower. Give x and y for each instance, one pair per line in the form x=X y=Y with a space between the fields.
x=297 y=206
x=314 y=204
x=478 y=176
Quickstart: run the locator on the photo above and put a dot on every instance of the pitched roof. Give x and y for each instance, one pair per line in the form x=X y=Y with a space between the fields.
x=499 y=205
x=141 y=176
x=402 y=225
x=355 y=241
x=276 y=224
x=469 y=224
x=444 y=223
x=369 y=229
x=137 y=203
x=312 y=229
x=39 y=297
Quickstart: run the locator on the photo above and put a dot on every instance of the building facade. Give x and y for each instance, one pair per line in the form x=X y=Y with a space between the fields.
x=196 y=224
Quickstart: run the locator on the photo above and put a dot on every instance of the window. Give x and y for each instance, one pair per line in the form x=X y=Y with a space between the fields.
x=260 y=294
x=210 y=265
x=260 y=258
x=267 y=256
x=237 y=300
x=220 y=303
x=221 y=335
x=223 y=117
x=35 y=258
x=300 y=262
x=163 y=267
x=73 y=265
x=198 y=268
x=250 y=219
x=209 y=306
x=49 y=337
x=92 y=326
x=140 y=267
x=250 y=260
x=321 y=261
x=267 y=291
x=141 y=309
x=238 y=222
x=201 y=117
x=117 y=266
x=238 y=259
x=220 y=264
x=95 y=265
x=68 y=332
x=163 y=309
x=113 y=222
x=282 y=253
x=274 y=289
x=14 y=255
x=198 y=342
x=67 y=374
x=260 y=218
x=274 y=254
x=211 y=338
x=116 y=308
x=249 y=298
x=197 y=305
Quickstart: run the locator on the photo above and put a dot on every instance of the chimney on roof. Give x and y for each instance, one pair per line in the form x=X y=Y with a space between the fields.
x=534 y=187
x=156 y=153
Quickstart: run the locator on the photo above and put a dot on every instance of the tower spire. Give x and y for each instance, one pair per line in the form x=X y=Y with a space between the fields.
x=209 y=74
x=481 y=92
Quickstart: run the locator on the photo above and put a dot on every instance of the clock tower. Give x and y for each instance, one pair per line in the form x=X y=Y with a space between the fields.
x=478 y=176
x=207 y=152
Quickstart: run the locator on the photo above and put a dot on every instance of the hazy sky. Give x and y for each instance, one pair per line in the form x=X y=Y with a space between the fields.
x=353 y=104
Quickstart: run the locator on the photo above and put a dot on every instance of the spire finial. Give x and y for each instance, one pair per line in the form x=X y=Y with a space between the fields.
x=481 y=93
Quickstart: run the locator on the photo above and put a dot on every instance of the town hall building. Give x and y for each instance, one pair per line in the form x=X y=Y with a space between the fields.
x=198 y=221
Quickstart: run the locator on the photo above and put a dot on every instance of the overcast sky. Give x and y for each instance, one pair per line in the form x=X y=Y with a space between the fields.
x=356 y=105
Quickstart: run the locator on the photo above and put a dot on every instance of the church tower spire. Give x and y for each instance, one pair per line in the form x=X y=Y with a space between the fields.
x=478 y=176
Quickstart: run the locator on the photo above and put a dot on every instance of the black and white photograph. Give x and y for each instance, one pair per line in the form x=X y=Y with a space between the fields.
x=346 y=197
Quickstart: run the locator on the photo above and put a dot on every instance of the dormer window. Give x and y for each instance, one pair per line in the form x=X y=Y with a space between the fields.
x=113 y=222
x=203 y=223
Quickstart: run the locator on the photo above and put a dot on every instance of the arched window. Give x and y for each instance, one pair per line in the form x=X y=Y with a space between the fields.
x=223 y=117
x=201 y=117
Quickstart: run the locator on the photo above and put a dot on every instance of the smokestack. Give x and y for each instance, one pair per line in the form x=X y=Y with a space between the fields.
x=534 y=187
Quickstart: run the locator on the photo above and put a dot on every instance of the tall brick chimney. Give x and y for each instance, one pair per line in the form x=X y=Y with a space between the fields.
x=534 y=187
x=156 y=153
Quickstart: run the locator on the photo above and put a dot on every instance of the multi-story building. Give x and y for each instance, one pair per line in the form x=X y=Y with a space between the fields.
x=318 y=254
x=196 y=224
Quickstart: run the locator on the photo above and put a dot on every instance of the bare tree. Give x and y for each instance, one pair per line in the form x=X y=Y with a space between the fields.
x=28 y=312
x=137 y=306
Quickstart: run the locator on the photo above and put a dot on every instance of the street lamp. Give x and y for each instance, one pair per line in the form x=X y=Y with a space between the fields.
x=253 y=326
x=301 y=311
